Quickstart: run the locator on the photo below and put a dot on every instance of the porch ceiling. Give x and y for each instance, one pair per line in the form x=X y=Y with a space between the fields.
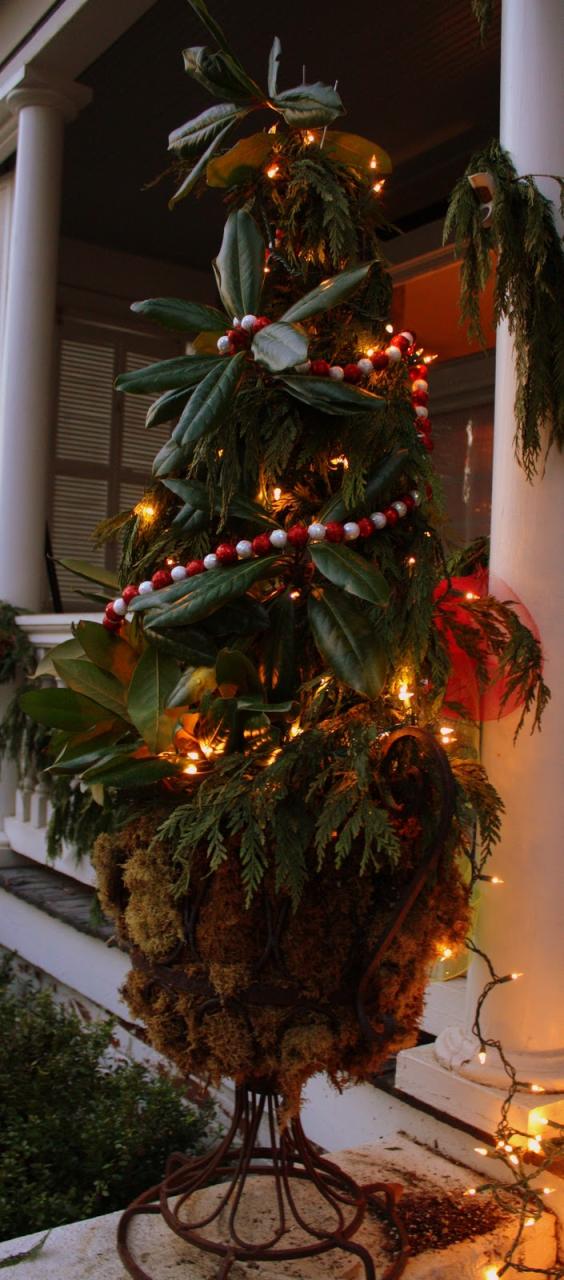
x=412 y=76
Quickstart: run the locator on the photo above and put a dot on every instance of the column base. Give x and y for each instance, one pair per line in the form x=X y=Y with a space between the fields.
x=457 y=1050
x=420 y=1075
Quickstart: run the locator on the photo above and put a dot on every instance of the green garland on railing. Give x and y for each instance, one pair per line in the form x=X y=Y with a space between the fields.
x=529 y=287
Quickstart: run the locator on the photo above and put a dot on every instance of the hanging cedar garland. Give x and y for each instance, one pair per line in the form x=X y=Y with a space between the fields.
x=529 y=287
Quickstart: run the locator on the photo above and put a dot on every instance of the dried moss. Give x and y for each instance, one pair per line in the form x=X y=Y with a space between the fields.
x=262 y=992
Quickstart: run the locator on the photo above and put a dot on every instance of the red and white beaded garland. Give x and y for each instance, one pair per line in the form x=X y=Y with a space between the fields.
x=295 y=538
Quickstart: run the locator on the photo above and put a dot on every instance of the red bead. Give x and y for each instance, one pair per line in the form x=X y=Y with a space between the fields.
x=238 y=337
x=320 y=368
x=398 y=340
x=424 y=424
x=298 y=535
x=226 y=553
x=161 y=578
x=111 y=626
x=128 y=594
x=419 y=397
x=261 y=544
x=260 y=323
x=427 y=443
x=380 y=360
x=352 y=373
x=408 y=501
x=194 y=567
x=334 y=531
x=421 y=371
x=391 y=515
x=111 y=615
x=366 y=527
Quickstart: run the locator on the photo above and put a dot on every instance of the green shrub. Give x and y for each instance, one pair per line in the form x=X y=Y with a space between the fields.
x=80 y=1134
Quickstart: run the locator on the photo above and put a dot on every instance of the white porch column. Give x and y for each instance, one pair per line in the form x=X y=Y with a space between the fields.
x=520 y=924
x=42 y=106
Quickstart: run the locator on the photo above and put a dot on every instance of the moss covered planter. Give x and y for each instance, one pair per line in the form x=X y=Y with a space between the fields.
x=265 y=991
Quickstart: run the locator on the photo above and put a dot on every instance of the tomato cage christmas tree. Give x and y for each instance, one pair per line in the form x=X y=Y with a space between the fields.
x=266 y=694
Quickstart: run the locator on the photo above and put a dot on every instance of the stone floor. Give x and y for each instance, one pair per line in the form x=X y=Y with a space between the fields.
x=436 y=1210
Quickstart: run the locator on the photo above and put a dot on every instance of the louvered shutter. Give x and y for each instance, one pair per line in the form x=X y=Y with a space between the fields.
x=102 y=452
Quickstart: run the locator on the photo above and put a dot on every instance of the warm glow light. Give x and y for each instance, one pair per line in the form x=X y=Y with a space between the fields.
x=295 y=729
x=266 y=271
x=340 y=461
x=496 y=880
x=309 y=137
x=548 y=1191
x=220 y=453
x=370 y=352
x=411 y=560
x=295 y=595
x=471 y=595
x=529 y=1222
x=429 y=359
x=514 y=976
x=373 y=163
x=482 y=1057
x=405 y=694
x=193 y=755
x=277 y=493
x=514 y=1159
x=537 y=1088
x=273 y=171
x=534 y=1145
x=273 y=128
x=170 y=560
x=482 y=1151
x=470 y=1192
x=190 y=768
x=446 y=953
x=491 y=1273
x=145 y=510
x=377 y=187
x=389 y=328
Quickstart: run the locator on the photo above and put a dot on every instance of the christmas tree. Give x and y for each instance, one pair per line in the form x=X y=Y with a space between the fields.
x=267 y=694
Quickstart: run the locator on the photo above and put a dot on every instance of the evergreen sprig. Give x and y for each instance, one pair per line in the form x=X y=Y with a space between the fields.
x=529 y=287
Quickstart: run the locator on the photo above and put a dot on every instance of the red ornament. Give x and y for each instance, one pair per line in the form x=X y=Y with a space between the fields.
x=419 y=397
x=400 y=341
x=421 y=371
x=352 y=373
x=112 y=616
x=111 y=626
x=261 y=545
x=226 y=553
x=366 y=527
x=391 y=515
x=260 y=323
x=424 y=424
x=426 y=442
x=334 y=531
x=320 y=368
x=161 y=578
x=238 y=337
x=380 y=360
x=408 y=501
x=297 y=535
x=128 y=594
x=194 y=567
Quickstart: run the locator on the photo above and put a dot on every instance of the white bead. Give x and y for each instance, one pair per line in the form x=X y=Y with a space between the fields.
x=401 y=508
x=316 y=532
x=223 y=345
x=393 y=354
x=352 y=530
x=145 y=588
x=303 y=368
x=336 y=373
x=247 y=322
x=378 y=520
x=244 y=549
x=178 y=573
x=279 y=538
x=415 y=494
x=236 y=322
x=119 y=606
x=419 y=384
x=211 y=561
x=365 y=365
x=421 y=411
x=410 y=337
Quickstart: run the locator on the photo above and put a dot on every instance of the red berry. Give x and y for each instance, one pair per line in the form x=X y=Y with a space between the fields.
x=398 y=340
x=226 y=553
x=129 y=593
x=161 y=578
x=334 y=531
x=391 y=515
x=352 y=373
x=260 y=323
x=419 y=397
x=111 y=626
x=194 y=567
x=261 y=544
x=366 y=527
x=320 y=368
x=380 y=360
x=409 y=501
x=297 y=535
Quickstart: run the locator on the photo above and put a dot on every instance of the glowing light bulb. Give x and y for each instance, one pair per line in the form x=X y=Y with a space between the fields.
x=529 y=1222
x=295 y=729
x=471 y=595
x=482 y=1057
x=273 y=128
x=481 y=1151
x=429 y=359
x=295 y=595
x=369 y=352
x=266 y=270
x=491 y=1273
x=514 y=1159
x=534 y=1145
x=405 y=694
x=145 y=510
x=446 y=953
x=373 y=163
x=309 y=137
x=378 y=187
x=190 y=768
x=411 y=560
x=277 y=493
x=496 y=880
x=193 y=755
x=548 y=1191
x=273 y=171
x=389 y=328
x=470 y=1191
x=537 y=1088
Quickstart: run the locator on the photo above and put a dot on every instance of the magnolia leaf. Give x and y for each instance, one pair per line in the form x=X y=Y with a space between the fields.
x=166 y=595
x=330 y=293
x=130 y=772
x=202 y=129
x=91 y=682
x=68 y=649
x=357 y=152
x=184 y=317
x=77 y=756
x=63 y=709
x=221 y=74
x=213 y=589
x=108 y=651
x=377 y=486
x=346 y=640
x=188 y=645
x=331 y=397
x=280 y=648
x=234 y=668
x=280 y=346
x=273 y=63
x=167 y=407
x=308 y=105
x=167 y=459
x=196 y=173
x=92 y=573
x=240 y=163
x=179 y=373
x=346 y=569
x=191 y=687
x=239 y=266
x=154 y=678
x=202 y=12
x=210 y=402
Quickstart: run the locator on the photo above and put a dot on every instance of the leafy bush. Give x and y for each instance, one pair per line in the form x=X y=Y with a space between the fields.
x=80 y=1134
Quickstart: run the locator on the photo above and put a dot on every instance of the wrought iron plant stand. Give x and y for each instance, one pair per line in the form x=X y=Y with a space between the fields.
x=288 y=1158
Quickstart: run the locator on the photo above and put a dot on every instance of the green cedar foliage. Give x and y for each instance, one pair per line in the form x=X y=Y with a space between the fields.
x=529 y=287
